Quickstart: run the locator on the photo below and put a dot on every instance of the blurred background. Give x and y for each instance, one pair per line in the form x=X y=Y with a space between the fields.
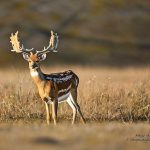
x=92 y=32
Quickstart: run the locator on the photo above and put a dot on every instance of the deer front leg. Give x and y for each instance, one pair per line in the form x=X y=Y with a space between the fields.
x=48 y=112
x=54 y=110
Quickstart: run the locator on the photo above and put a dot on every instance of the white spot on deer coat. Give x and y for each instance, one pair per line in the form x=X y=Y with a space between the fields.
x=64 y=90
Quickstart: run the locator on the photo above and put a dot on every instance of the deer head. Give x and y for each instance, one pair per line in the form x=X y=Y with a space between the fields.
x=31 y=55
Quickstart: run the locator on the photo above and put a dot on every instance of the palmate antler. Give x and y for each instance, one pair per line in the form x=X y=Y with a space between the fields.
x=53 y=44
x=16 y=44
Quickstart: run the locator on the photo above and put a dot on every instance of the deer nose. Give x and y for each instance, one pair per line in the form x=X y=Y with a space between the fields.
x=34 y=66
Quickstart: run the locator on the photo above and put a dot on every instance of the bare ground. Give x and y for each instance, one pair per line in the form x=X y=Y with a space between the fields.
x=98 y=136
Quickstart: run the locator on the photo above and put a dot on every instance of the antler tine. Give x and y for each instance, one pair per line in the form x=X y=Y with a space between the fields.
x=53 y=44
x=16 y=44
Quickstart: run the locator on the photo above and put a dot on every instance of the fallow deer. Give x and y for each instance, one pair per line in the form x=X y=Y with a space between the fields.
x=53 y=88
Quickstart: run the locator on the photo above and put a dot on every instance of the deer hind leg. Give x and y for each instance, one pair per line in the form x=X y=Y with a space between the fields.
x=73 y=97
x=73 y=108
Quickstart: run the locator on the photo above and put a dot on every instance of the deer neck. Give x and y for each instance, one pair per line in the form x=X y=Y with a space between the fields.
x=37 y=76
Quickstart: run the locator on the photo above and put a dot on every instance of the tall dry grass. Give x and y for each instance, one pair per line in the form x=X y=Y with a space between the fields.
x=105 y=94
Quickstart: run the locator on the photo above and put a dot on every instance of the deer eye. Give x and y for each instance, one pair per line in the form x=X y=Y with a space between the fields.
x=37 y=61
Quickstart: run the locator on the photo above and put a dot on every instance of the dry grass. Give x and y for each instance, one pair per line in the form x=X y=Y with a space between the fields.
x=105 y=94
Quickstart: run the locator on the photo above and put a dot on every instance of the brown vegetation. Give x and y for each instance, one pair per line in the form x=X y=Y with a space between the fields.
x=105 y=94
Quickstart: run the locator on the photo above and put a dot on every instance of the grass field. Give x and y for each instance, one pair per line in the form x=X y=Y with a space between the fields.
x=105 y=94
x=115 y=103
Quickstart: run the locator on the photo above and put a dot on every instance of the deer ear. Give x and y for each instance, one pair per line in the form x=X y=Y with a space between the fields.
x=25 y=56
x=42 y=57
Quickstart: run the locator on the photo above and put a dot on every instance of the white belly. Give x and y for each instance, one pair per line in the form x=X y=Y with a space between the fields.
x=63 y=97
